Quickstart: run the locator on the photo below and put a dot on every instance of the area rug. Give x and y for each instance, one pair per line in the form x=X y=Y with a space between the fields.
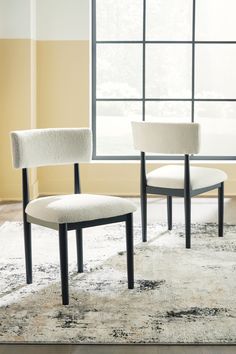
x=180 y=296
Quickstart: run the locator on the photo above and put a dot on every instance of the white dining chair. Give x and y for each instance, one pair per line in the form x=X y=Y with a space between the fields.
x=175 y=180
x=43 y=147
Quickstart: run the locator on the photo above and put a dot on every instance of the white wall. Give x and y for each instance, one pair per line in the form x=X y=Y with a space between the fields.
x=16 y=19
x=50 y=19
x=63 y=19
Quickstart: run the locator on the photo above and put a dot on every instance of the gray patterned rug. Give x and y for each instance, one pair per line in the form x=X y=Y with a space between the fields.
x=180 y=296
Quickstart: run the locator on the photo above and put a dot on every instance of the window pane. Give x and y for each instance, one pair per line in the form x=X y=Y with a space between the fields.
x=215 y=71
x=119 y=71
x=218 y=127
x=168 y=71
x=168 y=112
x=215 y=20
x=119 y=19
x=114 y=136
x=169 y=20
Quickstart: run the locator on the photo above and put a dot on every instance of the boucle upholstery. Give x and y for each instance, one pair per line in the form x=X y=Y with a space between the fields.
x=172 y=176
x=42 y=147
x=78 y=207
x=166 y=138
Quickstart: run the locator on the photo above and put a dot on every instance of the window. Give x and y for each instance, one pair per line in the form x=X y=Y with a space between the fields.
x=163 y=60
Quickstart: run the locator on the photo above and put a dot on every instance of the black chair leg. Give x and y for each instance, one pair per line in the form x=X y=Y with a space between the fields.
x=144 y=215
x=187 y=207
x=130 y=251
x=221 y=210
x=169 y=212
x=79 y=244
x=28 y=252
x=64 y=263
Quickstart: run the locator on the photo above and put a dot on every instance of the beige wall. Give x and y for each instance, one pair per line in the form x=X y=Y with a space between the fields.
x=17 y=87
x=62 y=99
x=45 y=83
x=17 y=107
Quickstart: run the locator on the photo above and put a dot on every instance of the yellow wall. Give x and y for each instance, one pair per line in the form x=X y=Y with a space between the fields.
x=17 y=107
x=62 y=99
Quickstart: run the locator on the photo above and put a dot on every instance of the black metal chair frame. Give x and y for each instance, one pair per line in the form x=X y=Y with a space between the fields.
x=185 y=193
x=63 y=228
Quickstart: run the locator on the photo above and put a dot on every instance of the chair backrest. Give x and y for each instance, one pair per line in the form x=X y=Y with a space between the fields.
x=166 y=138
x=43 y=147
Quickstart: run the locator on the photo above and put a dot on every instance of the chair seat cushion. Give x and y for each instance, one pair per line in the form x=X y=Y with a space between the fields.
x=172 y=176
x=78 y=207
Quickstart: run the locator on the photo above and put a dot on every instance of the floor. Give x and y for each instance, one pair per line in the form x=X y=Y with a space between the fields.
x=69 y=349
x=203 y=209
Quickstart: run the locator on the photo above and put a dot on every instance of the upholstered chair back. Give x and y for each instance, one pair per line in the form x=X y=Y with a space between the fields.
x=43 y=147
x=166 y=138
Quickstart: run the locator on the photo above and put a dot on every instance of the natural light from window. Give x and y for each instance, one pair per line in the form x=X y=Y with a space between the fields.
x=164 y=60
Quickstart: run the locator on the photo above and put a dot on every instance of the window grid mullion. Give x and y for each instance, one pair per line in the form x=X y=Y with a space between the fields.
x=168 y=99
x=144 y=63
x=193 y=59
x=165 y=42
x=193 y=99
